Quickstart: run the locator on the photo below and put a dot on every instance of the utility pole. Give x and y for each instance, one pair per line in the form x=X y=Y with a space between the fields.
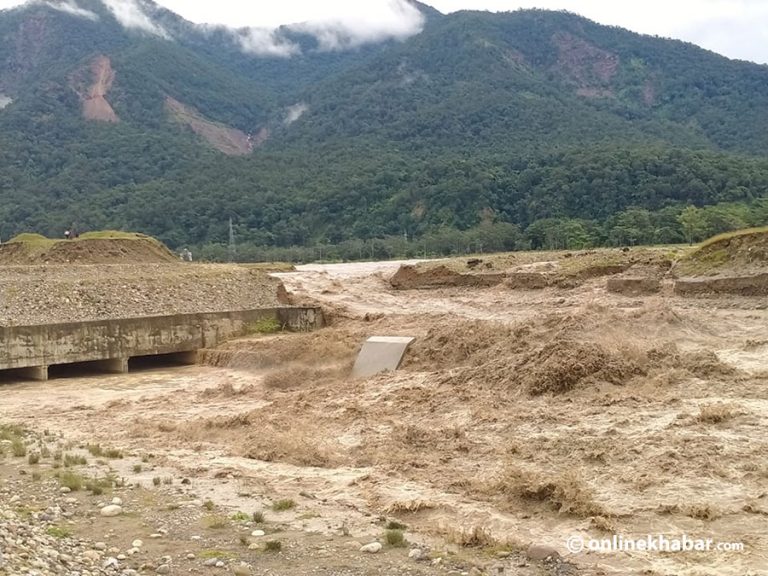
x=232 y=246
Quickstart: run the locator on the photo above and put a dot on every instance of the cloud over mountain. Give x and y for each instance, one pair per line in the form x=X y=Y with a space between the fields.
x=71 y=7
x=131 y=15
x=395 y=19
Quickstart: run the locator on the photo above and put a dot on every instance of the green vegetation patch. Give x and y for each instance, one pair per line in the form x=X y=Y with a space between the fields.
x=264 y=326
x=739 y=250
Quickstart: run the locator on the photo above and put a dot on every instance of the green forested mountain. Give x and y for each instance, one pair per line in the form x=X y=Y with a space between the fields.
x=530 y=128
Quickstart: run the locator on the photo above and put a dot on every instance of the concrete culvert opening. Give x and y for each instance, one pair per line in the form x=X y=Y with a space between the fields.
x=160 y=361
x=15 y=376
x=78 y=369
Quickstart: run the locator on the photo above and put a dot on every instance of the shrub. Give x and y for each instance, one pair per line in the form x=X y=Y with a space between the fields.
x=215 y=521
x=73 y=460
x=394 y=538
x=273 y=546
x=71 y=480
x=264 y=326
x=18 y=448
x=58 y=532
x=282 y=505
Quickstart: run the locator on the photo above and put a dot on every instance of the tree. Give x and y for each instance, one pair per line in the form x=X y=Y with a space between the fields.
x=693 y=222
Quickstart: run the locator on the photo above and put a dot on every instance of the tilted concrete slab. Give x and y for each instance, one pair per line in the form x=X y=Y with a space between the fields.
x=380 y=353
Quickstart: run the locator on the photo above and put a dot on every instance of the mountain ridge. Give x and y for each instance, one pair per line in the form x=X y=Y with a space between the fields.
x=457 y=127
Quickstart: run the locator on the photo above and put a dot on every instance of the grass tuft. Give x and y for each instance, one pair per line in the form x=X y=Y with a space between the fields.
x=71 y=480
x=283 y=505
x=394 y=538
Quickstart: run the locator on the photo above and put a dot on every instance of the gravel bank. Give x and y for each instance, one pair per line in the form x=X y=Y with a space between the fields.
x=75 y=293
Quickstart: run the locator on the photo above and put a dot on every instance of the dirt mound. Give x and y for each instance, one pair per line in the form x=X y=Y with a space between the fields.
x=633 y=285
x=92 y=248
x=741 y=253
x=754 y=285
x=527 y=280
x=410 y=277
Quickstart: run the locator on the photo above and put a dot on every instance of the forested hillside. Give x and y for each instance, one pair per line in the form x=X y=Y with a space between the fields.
x=484 y=131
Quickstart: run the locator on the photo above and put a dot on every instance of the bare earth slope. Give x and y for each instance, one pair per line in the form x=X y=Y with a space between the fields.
x=93 y=92
x=225 y=139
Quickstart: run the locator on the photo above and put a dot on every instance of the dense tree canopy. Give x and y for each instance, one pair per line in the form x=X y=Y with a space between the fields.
x=484 y=132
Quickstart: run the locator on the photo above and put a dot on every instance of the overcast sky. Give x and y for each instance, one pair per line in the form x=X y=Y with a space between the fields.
x=735 y=28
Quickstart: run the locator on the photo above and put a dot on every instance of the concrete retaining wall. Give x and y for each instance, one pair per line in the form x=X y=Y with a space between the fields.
x=115 y=341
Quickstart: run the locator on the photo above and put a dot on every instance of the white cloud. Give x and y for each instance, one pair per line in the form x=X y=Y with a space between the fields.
x=264 y=42
x=375 y=23
x=735 y=28
x=293 y=113
x=70 y=7
x=130 y=15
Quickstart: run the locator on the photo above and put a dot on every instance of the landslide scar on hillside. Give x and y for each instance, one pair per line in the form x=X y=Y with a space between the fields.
x=95 y=105
x=224 y=138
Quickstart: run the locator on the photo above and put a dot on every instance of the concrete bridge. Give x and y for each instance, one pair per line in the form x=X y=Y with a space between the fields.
x=109 y=345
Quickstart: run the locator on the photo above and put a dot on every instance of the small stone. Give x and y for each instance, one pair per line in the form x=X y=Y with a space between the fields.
x=64 y=490
x=372 y=548
x=14 y=499
x=257 y=533
x=211 y=562
x=415 y=554
x=242 y=569
x=190 y=556
x=503 y=554
x=540 y=552
x=155 y=536
x=220 y=564
x=117 y=501
x=196 y=538
x=91 y=556
x=137 y=544
x=111 y=510
x=100 y=546
x=70 y=500
x=164 y=569
x=111 y=563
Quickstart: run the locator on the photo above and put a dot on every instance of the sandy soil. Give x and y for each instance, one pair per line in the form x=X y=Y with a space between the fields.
x=519 y=417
